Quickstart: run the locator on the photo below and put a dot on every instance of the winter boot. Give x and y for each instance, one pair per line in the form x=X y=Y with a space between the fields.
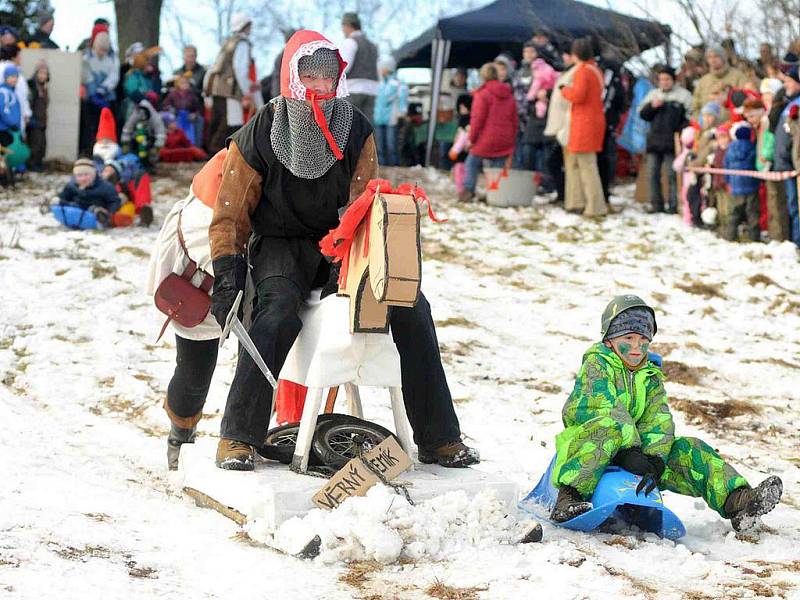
x=234 y=455
x=177 y=437
x=146 y=215
x=453 y=455
x=466 y=196
x=745 y=505
x=569 y=505
x=102 y=215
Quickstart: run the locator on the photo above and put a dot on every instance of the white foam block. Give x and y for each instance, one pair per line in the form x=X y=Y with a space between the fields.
x=274 y=494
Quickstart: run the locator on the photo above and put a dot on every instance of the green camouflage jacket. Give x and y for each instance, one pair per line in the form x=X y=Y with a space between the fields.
x=610 y=408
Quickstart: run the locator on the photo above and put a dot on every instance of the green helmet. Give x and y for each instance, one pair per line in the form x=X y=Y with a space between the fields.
x=620 y=304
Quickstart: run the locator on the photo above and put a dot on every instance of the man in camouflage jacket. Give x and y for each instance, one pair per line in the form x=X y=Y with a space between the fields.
x=617 y=414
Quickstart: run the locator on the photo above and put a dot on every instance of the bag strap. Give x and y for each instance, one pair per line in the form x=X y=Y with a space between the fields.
x=206 y=284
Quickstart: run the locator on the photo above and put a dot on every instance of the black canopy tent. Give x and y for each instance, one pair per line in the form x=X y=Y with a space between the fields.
x=475 y=37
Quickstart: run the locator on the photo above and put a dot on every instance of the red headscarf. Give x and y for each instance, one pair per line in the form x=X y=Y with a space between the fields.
x=304 y=43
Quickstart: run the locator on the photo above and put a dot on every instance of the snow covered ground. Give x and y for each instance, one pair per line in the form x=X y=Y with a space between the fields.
x=87 y=508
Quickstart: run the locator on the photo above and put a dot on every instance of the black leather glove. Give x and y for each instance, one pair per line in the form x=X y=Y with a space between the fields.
x=230 y=274
x=650 y=468
x=332 y=285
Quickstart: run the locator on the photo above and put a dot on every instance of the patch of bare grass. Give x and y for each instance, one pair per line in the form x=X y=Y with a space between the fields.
x=773 y=361
x=100 y=270
x=133 y=250
x=443 y=591
x=357 y=574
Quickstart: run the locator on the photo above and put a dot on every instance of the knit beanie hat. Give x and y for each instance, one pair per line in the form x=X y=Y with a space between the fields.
x=712 y=108
x=83 y=166
x=10 y=71
x=634 y=320
x=742 y=131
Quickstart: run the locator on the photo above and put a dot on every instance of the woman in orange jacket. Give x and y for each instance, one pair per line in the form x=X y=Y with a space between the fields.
x=584 y=191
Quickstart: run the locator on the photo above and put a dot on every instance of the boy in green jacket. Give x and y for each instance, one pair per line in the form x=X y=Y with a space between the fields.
x=617 y=414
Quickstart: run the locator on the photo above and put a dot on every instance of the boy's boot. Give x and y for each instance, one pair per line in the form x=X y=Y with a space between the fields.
x=177 y=437
x=569 y=505
x=745 y=505
x=453 y=455
x=234 y=455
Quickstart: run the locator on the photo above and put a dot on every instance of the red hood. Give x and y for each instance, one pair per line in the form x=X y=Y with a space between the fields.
x=497 y=88
x=304 y=43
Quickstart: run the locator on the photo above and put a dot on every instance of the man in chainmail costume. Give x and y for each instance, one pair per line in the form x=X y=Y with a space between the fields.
x=288 y=173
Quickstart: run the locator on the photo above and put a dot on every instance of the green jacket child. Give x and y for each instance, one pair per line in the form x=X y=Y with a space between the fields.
x=617 y=414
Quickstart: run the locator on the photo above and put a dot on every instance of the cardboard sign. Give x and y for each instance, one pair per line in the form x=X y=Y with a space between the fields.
x=354 y=479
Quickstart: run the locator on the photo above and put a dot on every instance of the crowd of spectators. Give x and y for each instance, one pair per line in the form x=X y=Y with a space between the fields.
x=556 y=110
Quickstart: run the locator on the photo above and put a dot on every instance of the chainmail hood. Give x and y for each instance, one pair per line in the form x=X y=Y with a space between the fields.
x=297 y=138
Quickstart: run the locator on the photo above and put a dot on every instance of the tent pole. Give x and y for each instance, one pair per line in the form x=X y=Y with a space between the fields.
x=439 y=48
x=668 y=50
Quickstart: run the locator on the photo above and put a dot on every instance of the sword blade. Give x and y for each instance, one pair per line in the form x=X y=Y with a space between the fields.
x=240 y=332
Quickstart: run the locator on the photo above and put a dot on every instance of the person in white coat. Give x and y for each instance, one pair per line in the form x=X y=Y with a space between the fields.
x=556 y=129
x=196 y=348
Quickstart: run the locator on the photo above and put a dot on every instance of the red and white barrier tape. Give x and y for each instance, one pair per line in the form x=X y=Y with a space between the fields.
x=766 y=176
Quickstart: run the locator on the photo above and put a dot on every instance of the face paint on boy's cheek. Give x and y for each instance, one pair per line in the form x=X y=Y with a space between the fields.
x=645 y=348
x=624 y=349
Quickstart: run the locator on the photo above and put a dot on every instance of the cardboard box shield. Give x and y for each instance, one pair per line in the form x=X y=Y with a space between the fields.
x=385 y=265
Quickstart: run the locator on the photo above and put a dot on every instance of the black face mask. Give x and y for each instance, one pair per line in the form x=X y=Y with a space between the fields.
x=463 y=120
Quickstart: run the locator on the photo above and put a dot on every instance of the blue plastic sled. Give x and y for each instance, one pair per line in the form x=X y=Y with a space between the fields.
x=74 y=217
x=614 y=498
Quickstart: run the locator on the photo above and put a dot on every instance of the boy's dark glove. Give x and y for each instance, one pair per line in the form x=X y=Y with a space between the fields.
x=632 y=460
x=650 y=468
x=230 y=274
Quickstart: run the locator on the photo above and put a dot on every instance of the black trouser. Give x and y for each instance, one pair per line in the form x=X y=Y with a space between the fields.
x=607 y=162
x=695 y=201
x=89 y=121
x=188 y=388
x=554 y=165
x=276 y=325
x=655 y=163
x=37 y=141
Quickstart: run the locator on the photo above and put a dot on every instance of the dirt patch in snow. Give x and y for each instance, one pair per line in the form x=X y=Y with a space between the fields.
x=684 y=374
x=714 y=413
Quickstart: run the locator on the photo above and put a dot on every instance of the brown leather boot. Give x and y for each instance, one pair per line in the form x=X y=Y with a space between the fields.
x=453 y=455
x=234 y=455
